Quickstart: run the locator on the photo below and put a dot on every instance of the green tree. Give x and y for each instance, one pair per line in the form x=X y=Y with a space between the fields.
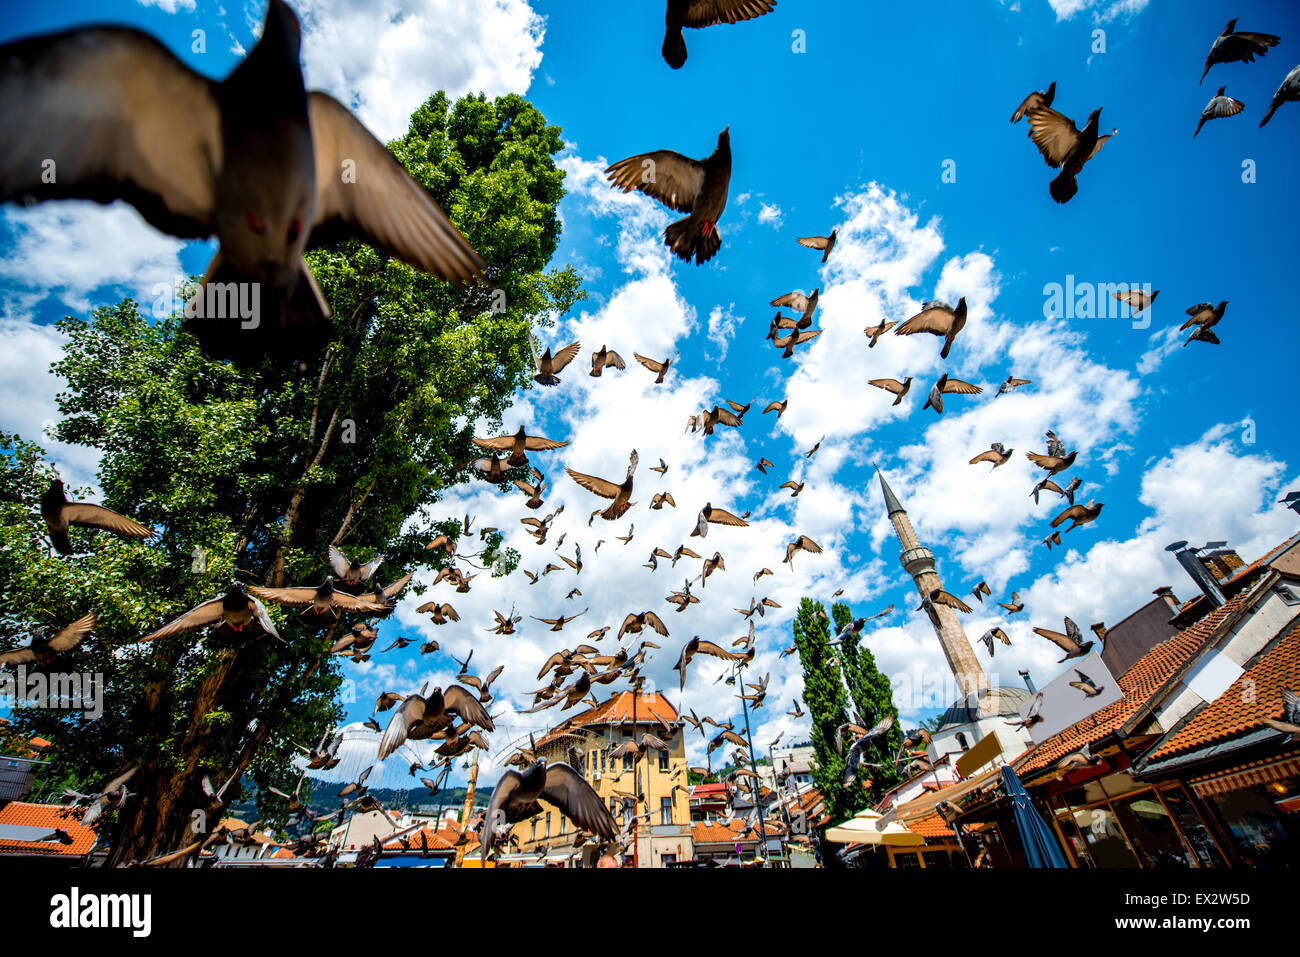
x=260 y=468
x=827 y=704
x=873 y=699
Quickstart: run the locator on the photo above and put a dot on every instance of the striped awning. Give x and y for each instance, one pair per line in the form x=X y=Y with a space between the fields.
x=1250 y=775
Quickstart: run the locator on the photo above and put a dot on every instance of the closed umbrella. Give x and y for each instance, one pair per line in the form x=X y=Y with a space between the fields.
x=1041 y=848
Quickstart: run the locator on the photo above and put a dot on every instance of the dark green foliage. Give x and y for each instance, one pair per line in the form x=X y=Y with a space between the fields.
x=262 y=467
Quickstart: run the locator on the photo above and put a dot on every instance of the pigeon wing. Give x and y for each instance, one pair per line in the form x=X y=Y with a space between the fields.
x=381 y=203
x=567 y=790
x=125 y=118
x=73 y=634
x=936 y=318
x=961 y=388
x=591 y=483
x=707 y=13
x=561 y=359
x=85 y=515
x=1053 y=133
x=200 y=616
x=673 y=179
x=460 y=702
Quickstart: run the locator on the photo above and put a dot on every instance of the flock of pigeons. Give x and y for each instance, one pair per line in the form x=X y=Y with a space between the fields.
x=259 y=171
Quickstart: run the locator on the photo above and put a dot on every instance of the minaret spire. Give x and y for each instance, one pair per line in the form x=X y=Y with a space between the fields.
x=920 y=564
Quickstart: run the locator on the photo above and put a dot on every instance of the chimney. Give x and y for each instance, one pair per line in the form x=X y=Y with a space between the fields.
x=1199 y=572
x=1167 y=593
x=1222 y=563
x=1028 y=682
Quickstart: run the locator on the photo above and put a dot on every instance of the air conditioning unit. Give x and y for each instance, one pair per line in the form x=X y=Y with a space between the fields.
x=595 y=775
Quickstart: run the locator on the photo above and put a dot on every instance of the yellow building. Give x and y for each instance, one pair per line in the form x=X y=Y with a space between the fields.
x=650 y=787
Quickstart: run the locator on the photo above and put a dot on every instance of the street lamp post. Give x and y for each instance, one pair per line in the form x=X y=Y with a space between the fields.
x=758 y=785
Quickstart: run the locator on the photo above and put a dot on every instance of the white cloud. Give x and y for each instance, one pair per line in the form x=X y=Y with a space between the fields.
x=168 y=6
x=723 y=325
x=78 y=251
x=1103 y=11
x=27 y=391
x=769 y=214
x=385 y=57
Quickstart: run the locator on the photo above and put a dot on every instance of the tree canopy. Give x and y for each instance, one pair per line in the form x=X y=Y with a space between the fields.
x=251 y=472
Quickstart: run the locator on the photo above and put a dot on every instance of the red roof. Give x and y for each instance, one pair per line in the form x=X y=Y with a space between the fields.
x=1148 y=674
x=703 y=832
x=441 y=839
x=52 y=816
x=931 y=826
x=651 y=708
x=1254 y=696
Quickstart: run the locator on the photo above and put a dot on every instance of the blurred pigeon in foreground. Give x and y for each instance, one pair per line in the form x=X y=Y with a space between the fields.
x=107 y=113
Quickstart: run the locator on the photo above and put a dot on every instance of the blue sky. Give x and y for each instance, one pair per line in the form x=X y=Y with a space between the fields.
x=855 y=133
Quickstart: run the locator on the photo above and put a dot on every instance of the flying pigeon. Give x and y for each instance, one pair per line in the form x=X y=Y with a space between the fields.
x=268 y=168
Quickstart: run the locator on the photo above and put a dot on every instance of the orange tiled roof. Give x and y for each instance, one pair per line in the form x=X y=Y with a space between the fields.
x=617 y=709
x=1148 y=674
x=729 y=833
x=21 y=814
x=931 y=825
x=1235 y=712
x=439 y=840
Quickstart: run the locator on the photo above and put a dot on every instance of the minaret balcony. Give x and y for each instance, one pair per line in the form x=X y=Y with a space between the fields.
x=917 y=560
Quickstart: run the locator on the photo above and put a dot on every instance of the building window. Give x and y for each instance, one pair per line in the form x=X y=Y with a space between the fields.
x=666 y=810
x=563 y=823
x=548 y=823
x=532 y=834
x=627 y=762
x=627 y=811
x=961 y=741
x=602 y=760
x=663 y=760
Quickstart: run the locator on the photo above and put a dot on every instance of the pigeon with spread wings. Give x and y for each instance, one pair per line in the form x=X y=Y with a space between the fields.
x=620 y=493
x=899 y=389
x=1221 y=105
x=698 y=646
x=548 y=365
x=948 y=386
x=1065 y=147
x=938 y=319
x=654 y=365
x=697 y=14
x=1233 y=46
x=715 y=516
x=352 y=572
x=253 y=159
x=236 y=614
x=519 y=443
x=824 y=243
x=421 y=716
x=321 y=603
x=696 y=187
x=1071 y=642
x=43 y=651
x=60 y=514
x=516 y=795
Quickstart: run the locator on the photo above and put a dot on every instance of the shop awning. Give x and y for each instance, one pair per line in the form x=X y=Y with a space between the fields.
x=925 y=804
x=1261 y=772
x=862 y=829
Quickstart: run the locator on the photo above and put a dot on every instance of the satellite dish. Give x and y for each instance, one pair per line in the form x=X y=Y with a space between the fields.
x=1176 y=547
